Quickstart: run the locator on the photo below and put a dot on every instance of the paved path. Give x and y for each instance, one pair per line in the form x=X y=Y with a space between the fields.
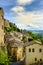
x=17 y=63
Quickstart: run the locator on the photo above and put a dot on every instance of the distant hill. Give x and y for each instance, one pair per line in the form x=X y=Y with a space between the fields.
x=37 y=31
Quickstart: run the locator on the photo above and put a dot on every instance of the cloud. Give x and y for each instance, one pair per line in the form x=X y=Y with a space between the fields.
x=30 y=26
x=28 y=18
x=24 y=2
x=33 y=25
x=25 y=18
x=17 y=9
x=21 y=26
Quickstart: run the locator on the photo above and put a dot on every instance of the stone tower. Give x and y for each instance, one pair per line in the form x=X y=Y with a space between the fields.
x=1 y=27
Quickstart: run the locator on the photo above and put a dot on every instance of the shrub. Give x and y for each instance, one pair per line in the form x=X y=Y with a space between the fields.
x=3 y=58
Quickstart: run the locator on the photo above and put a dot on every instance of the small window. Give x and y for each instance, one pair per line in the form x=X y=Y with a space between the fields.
x=35 y=59
x=2 y=27
x=40 y=59
x=29 y=50
x=33 y=50
x=40 y=50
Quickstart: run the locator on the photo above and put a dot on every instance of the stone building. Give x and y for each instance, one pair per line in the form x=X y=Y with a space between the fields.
x=1 y=27
x=3 y=23
x=15 y=46
x=33 y=52
x=16 y=51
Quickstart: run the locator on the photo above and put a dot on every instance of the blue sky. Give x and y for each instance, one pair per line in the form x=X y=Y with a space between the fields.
x=26 y=14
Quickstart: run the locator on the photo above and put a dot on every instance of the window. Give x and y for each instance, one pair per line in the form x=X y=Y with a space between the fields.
x=40 y=50
x=29 y=50
x=35 y=59
x=33 y=50
x=2 y=27
x=40 y=59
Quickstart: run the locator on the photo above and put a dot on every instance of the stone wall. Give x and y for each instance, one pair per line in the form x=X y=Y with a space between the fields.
x=1 y=12
x=1 y=27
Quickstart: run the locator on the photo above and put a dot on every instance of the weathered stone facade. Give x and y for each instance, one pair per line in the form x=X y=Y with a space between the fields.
x=3 y=23
x=33 y=52
x=1 y=27
x=15 y=46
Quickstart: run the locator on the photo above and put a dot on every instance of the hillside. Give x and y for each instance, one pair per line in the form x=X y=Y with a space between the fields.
x=10 y=27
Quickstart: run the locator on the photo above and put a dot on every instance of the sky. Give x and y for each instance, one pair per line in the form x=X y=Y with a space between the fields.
x=26 y=14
